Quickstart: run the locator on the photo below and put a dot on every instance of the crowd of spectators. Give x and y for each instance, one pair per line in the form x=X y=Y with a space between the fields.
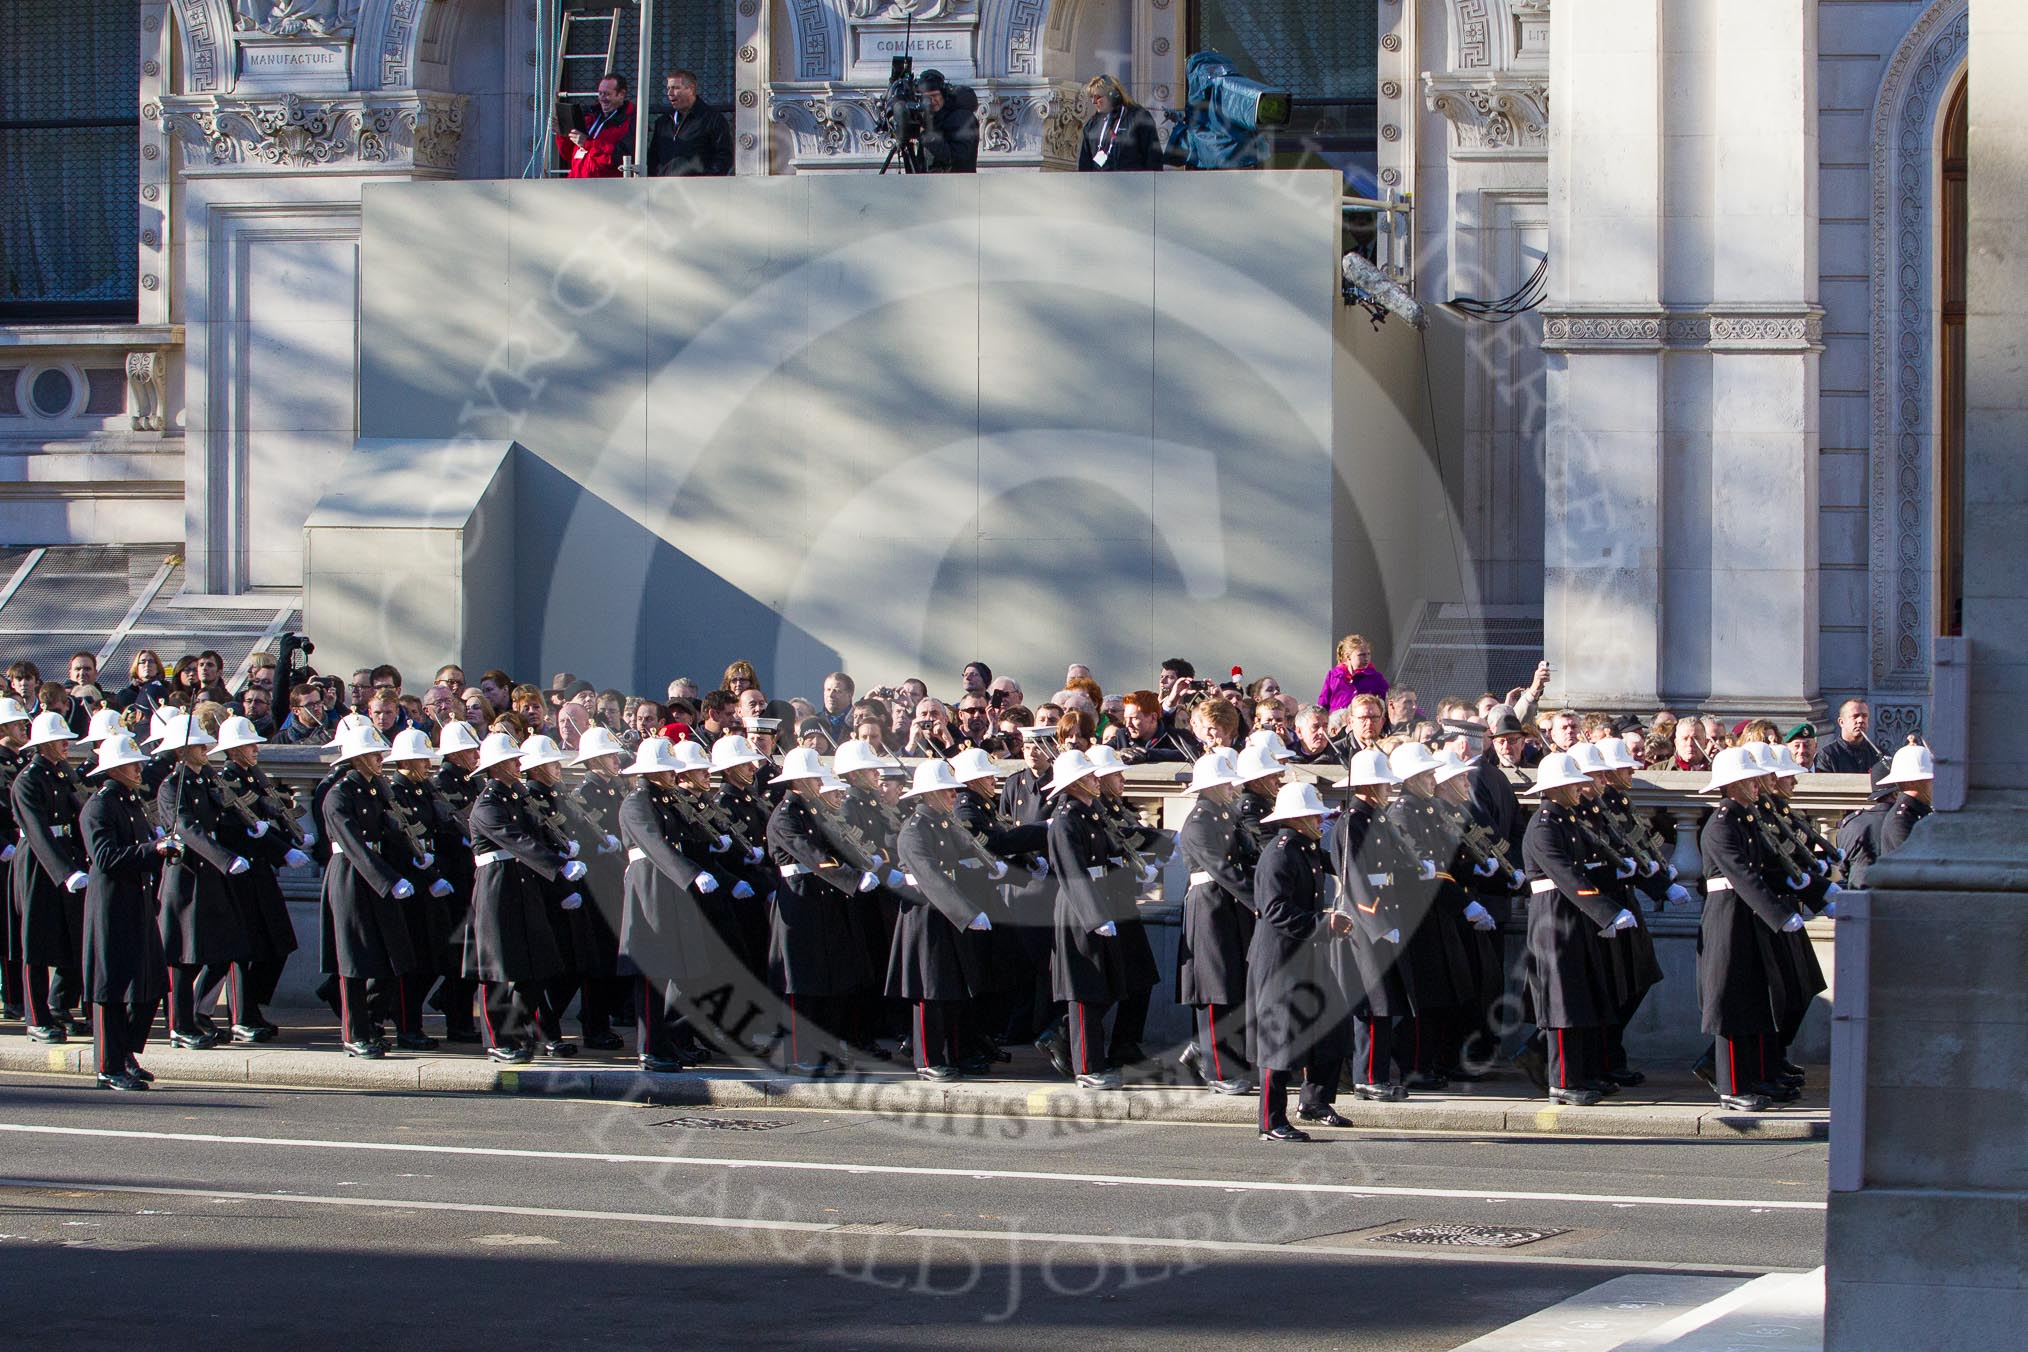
x=1174 y=721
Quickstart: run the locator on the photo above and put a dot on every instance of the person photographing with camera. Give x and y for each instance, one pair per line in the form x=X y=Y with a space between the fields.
x=950 y=136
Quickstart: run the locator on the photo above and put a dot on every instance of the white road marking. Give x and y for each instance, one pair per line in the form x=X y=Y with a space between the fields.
x=855 y=1231
x=914 y=1171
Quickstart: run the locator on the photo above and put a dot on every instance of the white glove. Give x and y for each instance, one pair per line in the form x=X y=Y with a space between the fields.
x=1830 y=910
x=981 y=922
x=1792 y=924
x=896 y=878
x=868 y=881
x=8 y=852
x=1109 y=930
x=1672 y=871
x=1479 y=915
x=1678 y=893
x=310 y=835
x=237 y=866
x=1392 y=936
x=426 y=860
x=1487 y=867
x=441 y=888
x=258 y=829
x=570 y=852
x=755 y=855
x=879 y=862
x=573 y=870
x=1426 y=870
x=1625 y=869
x=1041 y=869
x=742 y=890
x=403 y=889
x=1820 y=866
x=1517 y=878
x=723 y=844
x=572 y=902
x=610 y=845
x=1650 y=868
x=998 y=871
x=1149 y=876
x=1831 y=890
x=1797 y=882
x=707 y=883
x=76 y=882
x=295 y=859
x=1623 y=921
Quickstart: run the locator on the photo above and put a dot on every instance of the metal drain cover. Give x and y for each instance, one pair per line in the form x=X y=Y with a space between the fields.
x=721 y=1123
x=1470 y=1236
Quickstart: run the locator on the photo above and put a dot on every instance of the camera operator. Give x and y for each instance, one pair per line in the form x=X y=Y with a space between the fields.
x=950 y=136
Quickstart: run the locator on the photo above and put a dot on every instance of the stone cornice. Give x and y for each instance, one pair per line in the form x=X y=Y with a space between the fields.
x=417 y=130
x=1492 y=115
x=1713 y=328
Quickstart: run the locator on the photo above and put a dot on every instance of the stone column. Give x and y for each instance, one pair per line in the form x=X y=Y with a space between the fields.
x=1925 y=1245
x=1602 y=461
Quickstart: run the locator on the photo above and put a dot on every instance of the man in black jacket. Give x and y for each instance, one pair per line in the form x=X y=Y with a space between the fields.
x=950 y=143
x=693 y=139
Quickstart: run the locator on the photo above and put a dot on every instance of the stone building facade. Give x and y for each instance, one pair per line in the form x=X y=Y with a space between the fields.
x=1717 y=462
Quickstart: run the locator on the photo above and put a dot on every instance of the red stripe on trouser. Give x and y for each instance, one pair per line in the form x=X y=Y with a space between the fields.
x=344 y=1013
x=1211 y=1014
x=1371 y=1038
x=1562 y=1063
x=232 y=984
x=99 y=1030
x=1083 y=1068
x=1732 y=1063
x=174 y=1026
x=1267 y=1085
x=793 y=1057
x=646 y=1026
x=486 y=1017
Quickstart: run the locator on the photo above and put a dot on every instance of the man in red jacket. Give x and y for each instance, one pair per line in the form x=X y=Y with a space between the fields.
x=608 y=134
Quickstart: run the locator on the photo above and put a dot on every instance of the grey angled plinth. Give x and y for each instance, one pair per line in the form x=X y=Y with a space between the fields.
x=1926 y=1243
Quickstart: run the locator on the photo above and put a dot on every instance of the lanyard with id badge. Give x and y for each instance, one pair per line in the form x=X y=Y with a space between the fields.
x=1106 y=137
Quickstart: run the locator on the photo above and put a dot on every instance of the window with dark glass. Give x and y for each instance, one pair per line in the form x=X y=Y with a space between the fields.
x=1325 y=53
x=69 y=166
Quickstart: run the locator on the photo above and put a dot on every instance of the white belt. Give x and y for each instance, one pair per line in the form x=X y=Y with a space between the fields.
x=1380 y=880
x=793 y=870
x=489 y=857
x=59 y=830
x=336 y=853
x=1095 y=872
x=636 y=855
x=970 y=863
x=1541 y=885
x=909 y=878
x=1717 y=884
x=1200 y=876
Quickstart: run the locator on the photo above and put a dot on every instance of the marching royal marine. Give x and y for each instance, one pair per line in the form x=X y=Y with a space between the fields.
x=1218 y=924
x=1103 y=960
x=422 y=820
x=1606 y=817
x=745 y=815
x=49 y=881
x=13 y=731
x=1576 y=911
x=1482 y=864
x=1375 y=870
x=458 y=787
x=1298 y=1005
x=1436 y=963
x=365 y=931
x=946 y=895
x=511 y=946
x=817 y=956
x=668 y=945
x=263 y=911
x=1003 y=957
x=124 y=971
x=1750 y=984
x=594 y=803
x=202 y=918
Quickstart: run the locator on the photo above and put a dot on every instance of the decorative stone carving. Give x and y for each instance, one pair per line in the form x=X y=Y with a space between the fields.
x=1710 y=329
x=901 y=11
x=836 y=126
x=350 y=131
x=1492 y=116
x=290 y=18
x=1917 y=82
x=146 y=377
